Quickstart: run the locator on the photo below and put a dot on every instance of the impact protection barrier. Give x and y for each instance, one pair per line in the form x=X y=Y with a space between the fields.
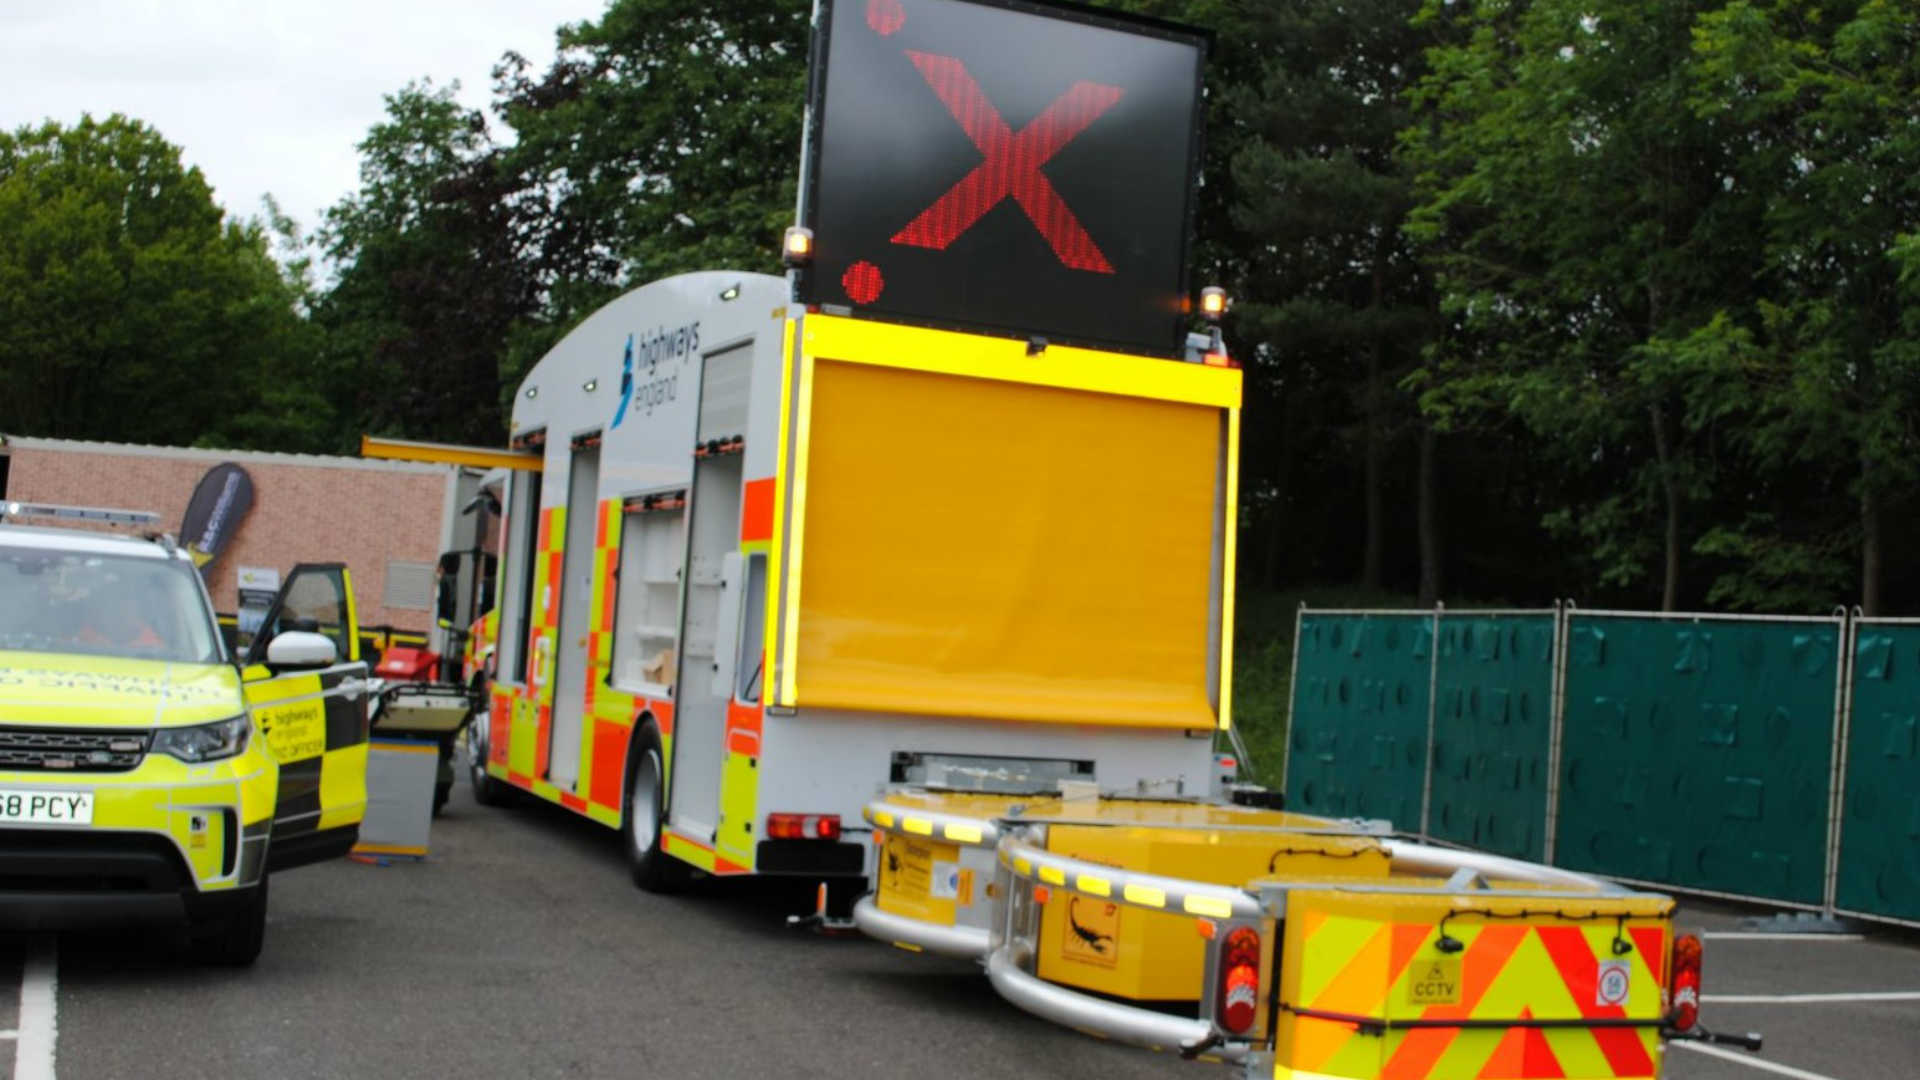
x=1771 y=758
x=1492 y=730
x=1876 y=828
x=1361 y=712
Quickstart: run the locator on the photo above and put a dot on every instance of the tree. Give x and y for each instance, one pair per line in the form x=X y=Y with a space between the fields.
x=433 y=277
x=1817 y=103
x=1334 y=288
x=1574 y=209
x=664 y=137
x=129 y=308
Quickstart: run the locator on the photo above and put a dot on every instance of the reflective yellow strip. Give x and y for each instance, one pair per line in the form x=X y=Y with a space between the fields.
x=776 y=649
x=1145 y=896
x=1053 y=875
x=789 y=673
x=883 y=819
x=1211 y=906
x=917 y=825
x=1023 y=866
x=966 y=834
x=945 y=352
x=1095 y=886
x=1227 y=569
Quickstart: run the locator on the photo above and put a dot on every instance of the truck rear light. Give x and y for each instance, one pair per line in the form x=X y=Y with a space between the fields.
x=1686 y=983
x=1239 y=993
x=803 y=826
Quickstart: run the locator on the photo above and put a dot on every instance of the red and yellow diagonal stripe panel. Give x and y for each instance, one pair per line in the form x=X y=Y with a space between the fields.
x=1377 y=959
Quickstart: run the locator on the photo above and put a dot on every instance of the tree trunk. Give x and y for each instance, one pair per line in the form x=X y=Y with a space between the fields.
x=1374 y=557
x=1282 y=482
x=1870 y=549
x=1670 y=486
x=1430 y=583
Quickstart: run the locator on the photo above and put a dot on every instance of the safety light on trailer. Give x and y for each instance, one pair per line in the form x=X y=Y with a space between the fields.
x=1213 y=303
x=796 y=248
x=803 y=826
x=1238 y=997
x=1685 y=1005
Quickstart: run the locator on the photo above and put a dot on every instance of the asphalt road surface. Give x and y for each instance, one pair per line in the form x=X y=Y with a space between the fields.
x=520 y=949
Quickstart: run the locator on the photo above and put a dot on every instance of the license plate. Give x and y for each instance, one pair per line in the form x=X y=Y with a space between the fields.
x=46 y=807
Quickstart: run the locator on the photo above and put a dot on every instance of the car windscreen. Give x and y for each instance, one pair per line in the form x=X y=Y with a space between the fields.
x=103 y=605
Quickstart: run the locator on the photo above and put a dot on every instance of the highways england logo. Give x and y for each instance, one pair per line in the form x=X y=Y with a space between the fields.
x=655 y=348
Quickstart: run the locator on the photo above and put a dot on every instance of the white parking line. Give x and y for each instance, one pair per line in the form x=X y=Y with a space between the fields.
x=39 y=980
x=1769 y=935
x=1809 y=999
x=1745 y=1058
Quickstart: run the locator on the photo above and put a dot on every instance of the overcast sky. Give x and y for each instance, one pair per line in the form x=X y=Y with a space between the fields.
x=262 y=95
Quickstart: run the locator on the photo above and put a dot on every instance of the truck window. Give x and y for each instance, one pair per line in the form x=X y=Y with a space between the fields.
x=646 y=618
x=750 y=673
x=523 y=521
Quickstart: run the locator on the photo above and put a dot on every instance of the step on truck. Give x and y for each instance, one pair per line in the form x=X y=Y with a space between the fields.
x=915 y=567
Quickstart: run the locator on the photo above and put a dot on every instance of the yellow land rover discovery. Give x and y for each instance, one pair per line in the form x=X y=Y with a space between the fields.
x=147 y=772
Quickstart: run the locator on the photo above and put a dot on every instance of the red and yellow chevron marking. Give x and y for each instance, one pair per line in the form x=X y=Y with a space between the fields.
x=1367 y=963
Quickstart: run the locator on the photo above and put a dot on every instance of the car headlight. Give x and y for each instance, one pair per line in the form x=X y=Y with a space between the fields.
x=204 y=742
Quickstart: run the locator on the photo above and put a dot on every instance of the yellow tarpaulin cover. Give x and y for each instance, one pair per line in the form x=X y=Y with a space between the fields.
x=986 y=548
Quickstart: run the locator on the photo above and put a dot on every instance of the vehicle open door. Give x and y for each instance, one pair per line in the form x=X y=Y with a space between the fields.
x=307 y=686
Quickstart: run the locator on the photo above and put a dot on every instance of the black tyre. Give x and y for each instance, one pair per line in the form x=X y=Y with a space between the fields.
x=234 y=936
x=640 y=826
x=487 y=791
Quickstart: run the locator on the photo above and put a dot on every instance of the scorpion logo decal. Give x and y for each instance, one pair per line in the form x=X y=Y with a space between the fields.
x=1093 y=939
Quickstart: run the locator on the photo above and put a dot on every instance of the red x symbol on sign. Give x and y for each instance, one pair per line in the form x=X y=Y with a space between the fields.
x=1012 y=165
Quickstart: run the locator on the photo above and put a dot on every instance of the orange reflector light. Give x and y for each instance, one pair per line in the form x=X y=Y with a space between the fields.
x=1041 y=894
x=1239 y=995
x=796 y=248
x=803 y=826
x=1207 y=928
x=1685 y=982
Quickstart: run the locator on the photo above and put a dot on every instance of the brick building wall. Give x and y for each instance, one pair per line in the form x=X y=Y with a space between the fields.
x=306 y=508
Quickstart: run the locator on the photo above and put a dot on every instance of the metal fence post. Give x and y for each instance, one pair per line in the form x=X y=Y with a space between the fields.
x=1433 y=705
x=1293 y=690
x=1837 y=764
x=1557 y=711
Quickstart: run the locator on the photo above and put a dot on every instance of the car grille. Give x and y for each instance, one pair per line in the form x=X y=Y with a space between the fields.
x=68 y=750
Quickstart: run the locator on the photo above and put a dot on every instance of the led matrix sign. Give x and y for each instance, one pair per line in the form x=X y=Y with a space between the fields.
x=1007 y=166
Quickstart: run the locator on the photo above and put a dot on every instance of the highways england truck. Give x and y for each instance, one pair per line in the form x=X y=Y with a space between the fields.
x=915 y=569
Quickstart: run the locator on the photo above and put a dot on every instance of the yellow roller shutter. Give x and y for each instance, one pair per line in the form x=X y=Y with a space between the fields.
x=988 y=548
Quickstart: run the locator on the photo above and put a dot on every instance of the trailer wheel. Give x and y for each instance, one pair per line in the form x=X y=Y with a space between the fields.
x=640 y=826
x=487 y=791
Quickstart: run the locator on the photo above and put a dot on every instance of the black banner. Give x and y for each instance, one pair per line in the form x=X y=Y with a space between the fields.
x=219 y=504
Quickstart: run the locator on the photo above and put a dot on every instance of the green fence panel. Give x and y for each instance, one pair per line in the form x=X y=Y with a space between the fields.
x=1697 y=752
x=1492 y=732
x=1358 y=734
x=1880 y=819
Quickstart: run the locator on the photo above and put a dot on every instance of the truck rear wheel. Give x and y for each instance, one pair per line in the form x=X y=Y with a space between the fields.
x=487 y=791
x=641 y=826
x=233 y=937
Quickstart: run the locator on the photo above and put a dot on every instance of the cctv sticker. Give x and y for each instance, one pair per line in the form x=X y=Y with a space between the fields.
x=1612 y=985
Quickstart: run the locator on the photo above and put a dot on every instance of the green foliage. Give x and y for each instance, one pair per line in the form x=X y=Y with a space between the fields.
x=129 y=308
x=664 y=138
x=432 y=278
